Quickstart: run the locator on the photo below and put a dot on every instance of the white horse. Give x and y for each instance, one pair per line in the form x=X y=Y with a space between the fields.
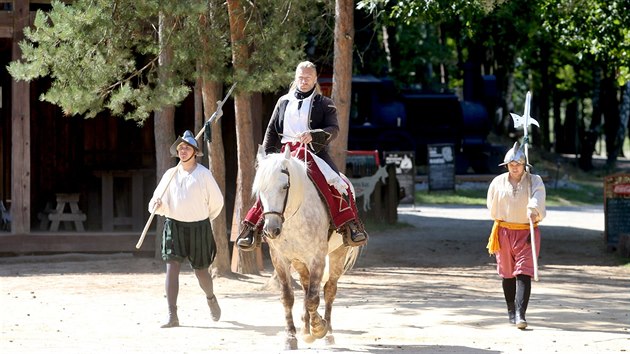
x=365 y=185
x=297 y=228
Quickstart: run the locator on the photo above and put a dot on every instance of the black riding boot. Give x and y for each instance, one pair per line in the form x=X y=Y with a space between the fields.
x=173 y=321
x=355 y=234
x=509 y=292
x=246 y=240
x=523 y=291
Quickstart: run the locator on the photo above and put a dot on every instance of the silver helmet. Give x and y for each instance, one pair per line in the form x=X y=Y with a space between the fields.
x=516 y=154
x=189 y=139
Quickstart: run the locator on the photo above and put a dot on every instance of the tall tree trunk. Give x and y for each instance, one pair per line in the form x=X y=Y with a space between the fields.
x=559 y=143
x=442 y=36
x=592 y=133
x=246 y=262
x=612 y=120
x=164 y=128
x=624 y=119
x=211 y=92
x=216 y=156
x=570 y=127
x=544 y=96
x=198 y=104
x=393 y=49
x=342 y=76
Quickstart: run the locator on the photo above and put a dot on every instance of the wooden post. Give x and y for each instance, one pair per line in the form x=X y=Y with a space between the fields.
x=392 y=195
x=379 y=208
x=107 y=201
x=20 y=131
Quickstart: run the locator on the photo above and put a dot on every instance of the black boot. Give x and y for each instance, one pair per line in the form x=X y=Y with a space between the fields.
x=523 y=291
x=246 y=240
x=511 y=313
x=509 y=292
x=521 y=322
x=354 y=234
x=173 y=321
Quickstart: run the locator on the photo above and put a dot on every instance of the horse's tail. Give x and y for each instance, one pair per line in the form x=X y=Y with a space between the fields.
x=351 y=258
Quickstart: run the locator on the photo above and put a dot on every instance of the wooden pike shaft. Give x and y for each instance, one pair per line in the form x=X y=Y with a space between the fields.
x=210 y=121
x=532 y=235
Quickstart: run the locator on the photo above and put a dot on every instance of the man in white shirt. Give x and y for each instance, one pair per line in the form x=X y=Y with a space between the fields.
x=514 y=199
x=189 y=197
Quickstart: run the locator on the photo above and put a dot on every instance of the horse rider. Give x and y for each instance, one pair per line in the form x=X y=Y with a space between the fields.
x=514 y=199
x=305 y=116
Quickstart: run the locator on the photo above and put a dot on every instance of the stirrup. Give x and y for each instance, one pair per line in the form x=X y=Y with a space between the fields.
x=347 y=230
x=248 y=233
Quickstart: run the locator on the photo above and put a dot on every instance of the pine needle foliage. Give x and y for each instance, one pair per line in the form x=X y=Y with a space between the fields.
x=104 y=55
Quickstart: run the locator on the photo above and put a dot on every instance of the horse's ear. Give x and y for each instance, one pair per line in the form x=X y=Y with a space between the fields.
x=287 y=153
x=261 y=153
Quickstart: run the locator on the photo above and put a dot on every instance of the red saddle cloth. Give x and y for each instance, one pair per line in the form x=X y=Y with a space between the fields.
x=341 y=209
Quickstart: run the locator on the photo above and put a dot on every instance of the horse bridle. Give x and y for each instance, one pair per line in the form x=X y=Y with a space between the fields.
x=286 y=198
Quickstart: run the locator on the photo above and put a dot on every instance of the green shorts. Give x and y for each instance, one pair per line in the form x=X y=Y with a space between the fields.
x=189 y=240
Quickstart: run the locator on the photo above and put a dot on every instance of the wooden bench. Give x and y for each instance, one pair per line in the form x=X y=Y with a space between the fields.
x=115 y=209
x=60 y=215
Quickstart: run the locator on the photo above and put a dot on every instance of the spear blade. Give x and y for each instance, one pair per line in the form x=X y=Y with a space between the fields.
x=525 y=120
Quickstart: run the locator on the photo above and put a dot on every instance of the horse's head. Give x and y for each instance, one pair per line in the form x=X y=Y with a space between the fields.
x=278 y=185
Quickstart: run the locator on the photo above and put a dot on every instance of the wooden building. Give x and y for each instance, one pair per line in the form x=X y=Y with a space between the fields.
x=68 y=184
x=72 y=184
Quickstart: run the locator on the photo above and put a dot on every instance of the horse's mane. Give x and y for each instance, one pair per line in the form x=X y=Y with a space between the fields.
x=268 y=167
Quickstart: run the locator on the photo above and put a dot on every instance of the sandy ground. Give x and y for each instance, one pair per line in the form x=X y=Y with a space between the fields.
x=428 y=287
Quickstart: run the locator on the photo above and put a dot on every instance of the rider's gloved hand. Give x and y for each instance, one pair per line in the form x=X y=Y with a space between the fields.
x=320 y=139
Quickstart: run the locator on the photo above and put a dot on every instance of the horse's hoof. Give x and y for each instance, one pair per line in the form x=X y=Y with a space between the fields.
x=319 y=330
x=330 y=340
x=290 y=343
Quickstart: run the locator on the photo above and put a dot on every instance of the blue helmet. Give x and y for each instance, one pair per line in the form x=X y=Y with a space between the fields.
x=189 y=139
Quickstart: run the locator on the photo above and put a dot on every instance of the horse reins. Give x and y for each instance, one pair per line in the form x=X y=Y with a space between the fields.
x=286 y=196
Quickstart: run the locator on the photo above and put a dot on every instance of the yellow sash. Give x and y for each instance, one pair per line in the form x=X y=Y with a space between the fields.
x=493 y=240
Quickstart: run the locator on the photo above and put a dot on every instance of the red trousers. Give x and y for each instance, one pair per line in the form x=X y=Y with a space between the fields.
x=341 y=210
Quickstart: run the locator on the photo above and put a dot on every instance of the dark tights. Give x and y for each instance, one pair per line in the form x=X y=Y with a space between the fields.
x=517 y=291
x=172 y=282
x=509 y=291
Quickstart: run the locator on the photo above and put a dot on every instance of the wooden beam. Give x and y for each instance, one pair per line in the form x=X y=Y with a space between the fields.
x=6 y=24
x=71 y=242
x=20 y=131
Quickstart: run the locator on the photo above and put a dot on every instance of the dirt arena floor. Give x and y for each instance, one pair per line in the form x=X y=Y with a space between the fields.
x=428 y=287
